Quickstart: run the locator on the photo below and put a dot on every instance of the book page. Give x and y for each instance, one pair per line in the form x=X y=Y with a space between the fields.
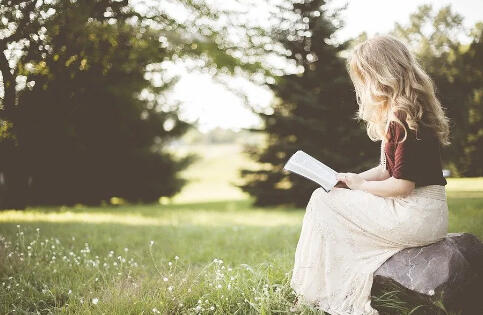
x=305 y=165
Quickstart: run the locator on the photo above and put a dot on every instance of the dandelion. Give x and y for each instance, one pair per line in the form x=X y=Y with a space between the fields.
x=95 y=301
x=151 y=243
x=176 y=257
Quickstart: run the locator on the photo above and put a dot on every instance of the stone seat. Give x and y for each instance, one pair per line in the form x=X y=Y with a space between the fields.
x=450 y=270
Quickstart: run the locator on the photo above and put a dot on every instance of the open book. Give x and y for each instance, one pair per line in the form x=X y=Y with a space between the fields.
x=305 y=165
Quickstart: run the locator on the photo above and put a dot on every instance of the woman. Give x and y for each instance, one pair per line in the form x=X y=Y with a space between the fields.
x=348 y=233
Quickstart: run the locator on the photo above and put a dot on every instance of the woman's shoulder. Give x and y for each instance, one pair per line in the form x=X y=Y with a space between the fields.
x=398 y=130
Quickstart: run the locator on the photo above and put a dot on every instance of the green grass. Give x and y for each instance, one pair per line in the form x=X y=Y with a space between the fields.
x=220 y=256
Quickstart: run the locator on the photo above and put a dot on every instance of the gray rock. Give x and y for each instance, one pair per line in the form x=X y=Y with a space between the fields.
x=450 y=270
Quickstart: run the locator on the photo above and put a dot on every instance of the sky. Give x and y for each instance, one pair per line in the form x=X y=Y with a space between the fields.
x=213 y=105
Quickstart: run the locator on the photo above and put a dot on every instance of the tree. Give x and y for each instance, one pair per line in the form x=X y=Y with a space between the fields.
x=312 y=112
x=87 y=123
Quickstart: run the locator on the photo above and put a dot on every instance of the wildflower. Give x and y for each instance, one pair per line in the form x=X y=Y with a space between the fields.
x=126 y=249
x=95 y=301
x=176 y=257
x=70 y=292
x=170 y=288
x=165 y=279
x=155 y=311
x=151 y=243
x=219 y=286
x=212 y=308
x=170 y=263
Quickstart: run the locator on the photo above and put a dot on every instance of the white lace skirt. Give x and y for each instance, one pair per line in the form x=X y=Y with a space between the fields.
x=347 y=234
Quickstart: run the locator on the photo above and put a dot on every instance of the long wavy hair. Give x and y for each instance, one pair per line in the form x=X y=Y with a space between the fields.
x=390 y=84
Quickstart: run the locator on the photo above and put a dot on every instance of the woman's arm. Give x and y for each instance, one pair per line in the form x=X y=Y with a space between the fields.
x=390 y=187
x=376 y=173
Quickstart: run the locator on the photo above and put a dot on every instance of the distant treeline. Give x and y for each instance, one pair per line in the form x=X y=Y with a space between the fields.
x=84 y=115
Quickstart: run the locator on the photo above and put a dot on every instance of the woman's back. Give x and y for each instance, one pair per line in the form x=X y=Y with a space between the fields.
x=418 y=160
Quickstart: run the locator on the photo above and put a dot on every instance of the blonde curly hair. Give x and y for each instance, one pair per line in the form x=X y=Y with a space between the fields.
x=389 y=83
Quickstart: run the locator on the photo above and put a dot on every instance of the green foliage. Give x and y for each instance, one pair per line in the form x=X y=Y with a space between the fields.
x=84 y=132
x=313 y=110
x=90 y=121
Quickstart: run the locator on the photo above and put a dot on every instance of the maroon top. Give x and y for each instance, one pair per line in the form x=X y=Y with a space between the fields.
x=418 y=160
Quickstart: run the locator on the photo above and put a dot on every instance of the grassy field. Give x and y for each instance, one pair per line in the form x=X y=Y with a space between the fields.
x=218 y=256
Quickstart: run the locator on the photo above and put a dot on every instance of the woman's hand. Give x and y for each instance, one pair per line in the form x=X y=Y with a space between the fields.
x=352 y=180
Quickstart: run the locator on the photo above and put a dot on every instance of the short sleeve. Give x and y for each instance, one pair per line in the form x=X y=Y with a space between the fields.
x=404 y=154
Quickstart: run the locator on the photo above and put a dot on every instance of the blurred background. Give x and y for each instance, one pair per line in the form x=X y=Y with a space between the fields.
x=109 y=102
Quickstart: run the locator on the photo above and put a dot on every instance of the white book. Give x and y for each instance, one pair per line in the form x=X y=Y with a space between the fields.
x=305 y=165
